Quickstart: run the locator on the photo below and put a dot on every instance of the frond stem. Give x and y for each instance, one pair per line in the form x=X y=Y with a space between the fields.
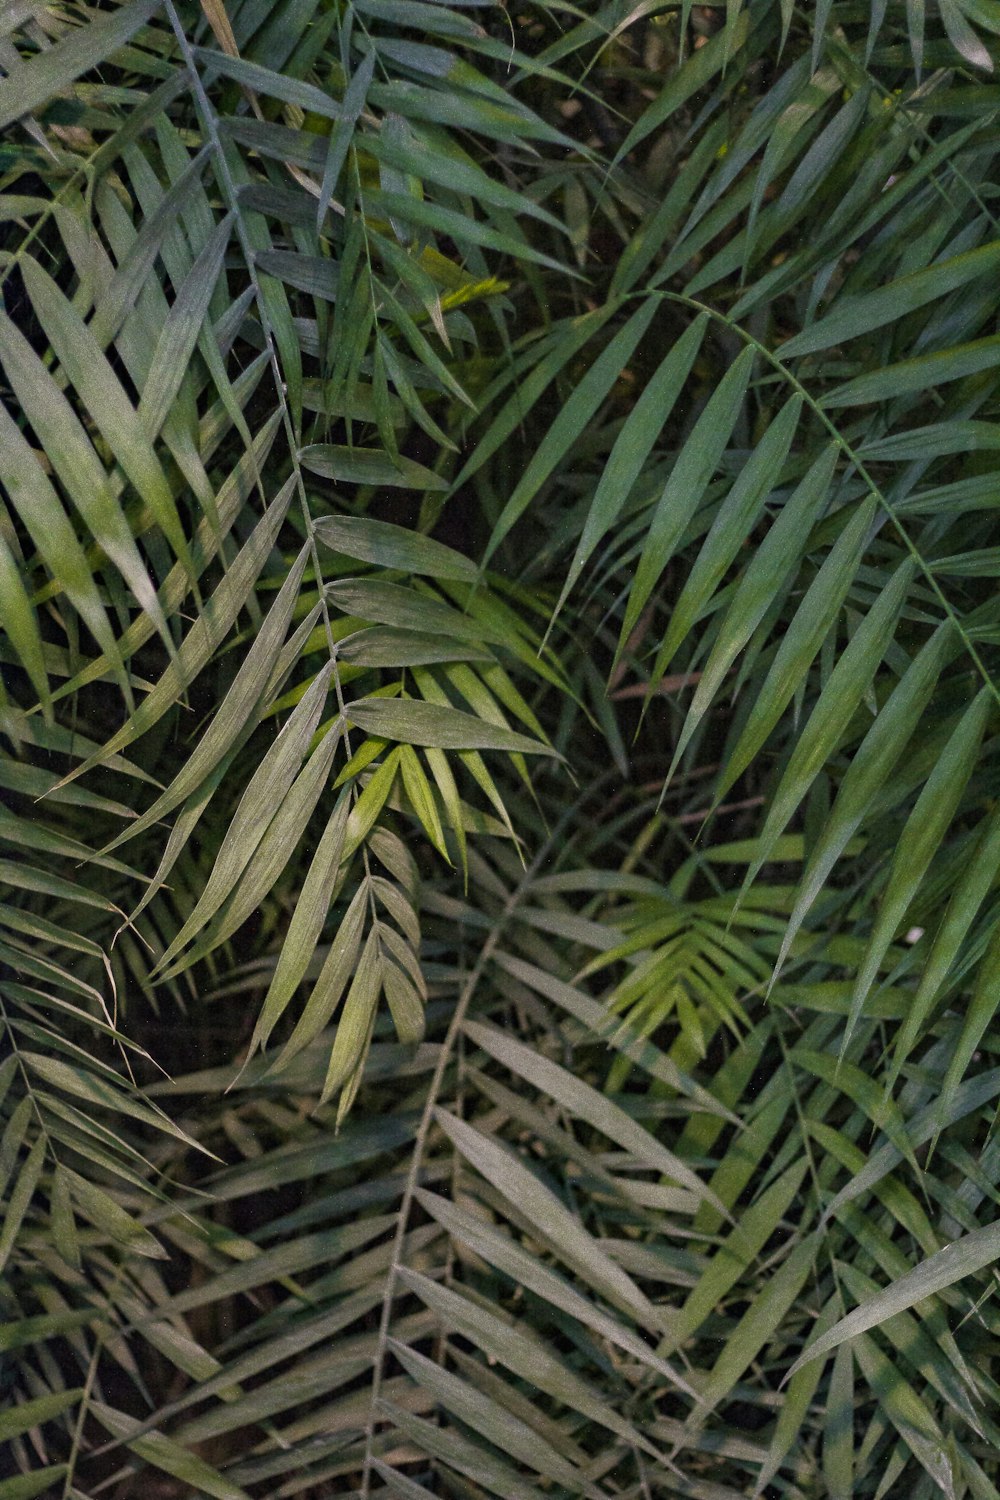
x=423 y=1130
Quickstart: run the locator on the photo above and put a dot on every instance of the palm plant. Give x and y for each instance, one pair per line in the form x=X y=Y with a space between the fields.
x=497 y=634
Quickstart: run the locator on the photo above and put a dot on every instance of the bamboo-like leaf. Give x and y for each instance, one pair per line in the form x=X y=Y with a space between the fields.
x=367 y=809
x=333 y=979
x=734 y=523
x=248 y=688
x=757 y=1325
x=354 y=1030
x=813 y=619
x=966 y=900
x=460 y=1453
x=181 y=331
x=925 y=828
x=63 y=1224
x=978 y=1017
x=856 y=316
x=693 y=76
x=967 y=1255
x=258 y=808
x=275 y=848
x=28 y=1414
x=746 y=1240
x=26 y=1486
x=848 y=683
x=340 y=136
x=20 y=1197
x=684 y=490
x=555 y=1223
x=388 y=546
x=163 y=1453
x=756 y=590
x=572 y=421
x=368 y=466
x=97 y=386
x=52 y=68
x=504 y=1431
x=409 y=609
x=917 y=374
x=507 y=1255
x=417 y=723
x=522 y=1353
x=421 y=798
x=111 y=1219
x=20 y=624
x=632 y=448
x=877 y=755
x=206 y=634
x=49 y=528
x=587 y=1104
x=306 y=923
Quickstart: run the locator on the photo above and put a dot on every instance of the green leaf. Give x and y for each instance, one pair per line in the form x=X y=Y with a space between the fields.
x=872 y=764
x=51 y=69
x=843 y=693
x=164 y=1454
x=632 y=448
x=367 y=466
x=28 y=1414
x=572 y=421
x=388 y=546
x=415 y=723
x=453 y=1448
x=856 y=316
x=735 y=521
x=556 y=1225
x=772 y=561
x=689 y=79
x=63 y=1224
x=206 y=634
x=26 y=1486
x=340 y=136
x=522 y=1267
x=20 y=624
x=409 y=609
x=587 y=1104
x=475 y=1409
x=979 y=1015
x=41 y=511
x=383 y=646
x=921 y=373
x=968 y=896
x=275 y=849
x=306 y=923
x=757 y=1325
x=354 y=1030
x=685 y=489
x=20 y=1197
x=111 y=1219
x=925 y=828
x=755 y=1226
x=96 y=384
x=421 y=798
x=967 y=1255
x=236 y=709
x=181 y=331
x=262 y=804
x=366 y=810
x=522 y=1352
x=813 y=620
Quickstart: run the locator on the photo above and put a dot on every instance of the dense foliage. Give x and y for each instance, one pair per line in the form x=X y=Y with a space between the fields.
x=500 y=939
